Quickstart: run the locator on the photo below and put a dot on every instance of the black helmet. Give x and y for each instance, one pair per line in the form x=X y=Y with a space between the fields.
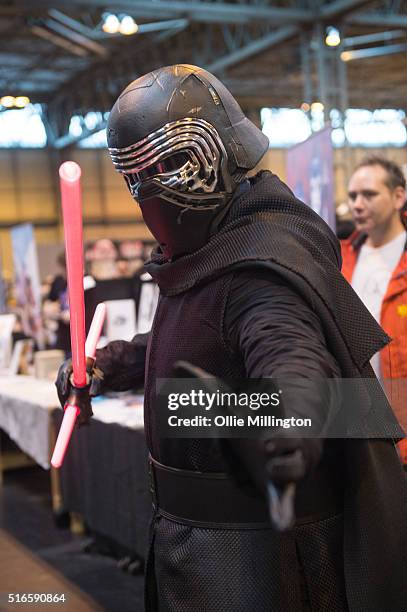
x=182 y=117
x=178 y=134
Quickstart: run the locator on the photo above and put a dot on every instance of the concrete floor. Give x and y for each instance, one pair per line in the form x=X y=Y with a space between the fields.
x=26 y=514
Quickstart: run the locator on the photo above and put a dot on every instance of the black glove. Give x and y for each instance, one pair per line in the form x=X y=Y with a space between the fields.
x=291 y=459
x=282 y=460
x=79 y=397
x=272 y=465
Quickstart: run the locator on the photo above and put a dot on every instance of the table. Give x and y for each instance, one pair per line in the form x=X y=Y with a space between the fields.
x=26 y=406
x=104 y=477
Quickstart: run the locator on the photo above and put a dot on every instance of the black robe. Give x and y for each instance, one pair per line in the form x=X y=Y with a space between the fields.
x=338 y=560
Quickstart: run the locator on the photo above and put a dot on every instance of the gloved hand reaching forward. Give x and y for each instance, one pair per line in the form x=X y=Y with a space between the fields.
x=273 y=465
x=291 y=459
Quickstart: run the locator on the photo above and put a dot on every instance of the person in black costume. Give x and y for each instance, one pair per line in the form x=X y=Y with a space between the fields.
x=250 y=287
x=59 y=293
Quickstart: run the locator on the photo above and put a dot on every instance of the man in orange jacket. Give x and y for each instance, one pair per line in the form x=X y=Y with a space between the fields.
x=375 y=263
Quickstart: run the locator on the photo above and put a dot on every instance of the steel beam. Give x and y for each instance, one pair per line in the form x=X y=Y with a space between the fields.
x=307 y=84
x=59 y=41
x=210 y=12
x=348 y=56
x=338 y=8
x=379 y=20
x=74 y=24
x=228 y=12
x=68 y=140
x=75 y=37
x=198 y=10
x=147 y=28
x=322 y=69
x=159 y=26
x=367 y=39
x=254 y=47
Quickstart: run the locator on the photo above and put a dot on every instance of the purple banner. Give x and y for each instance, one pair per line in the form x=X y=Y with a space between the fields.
x=310 y=174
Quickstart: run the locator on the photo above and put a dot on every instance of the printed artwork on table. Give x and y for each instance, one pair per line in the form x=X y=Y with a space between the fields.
x=120 y=319
x=27 y=281
x=148 y=303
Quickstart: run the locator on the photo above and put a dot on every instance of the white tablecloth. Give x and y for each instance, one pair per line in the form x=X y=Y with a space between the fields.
x=126 y=410
x=27 y=402
x=25 y=407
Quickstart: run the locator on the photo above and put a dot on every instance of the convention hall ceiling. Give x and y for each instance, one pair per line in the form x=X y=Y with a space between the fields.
x=269 y=53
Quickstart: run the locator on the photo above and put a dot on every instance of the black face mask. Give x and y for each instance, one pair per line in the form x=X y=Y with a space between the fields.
x=179 y=230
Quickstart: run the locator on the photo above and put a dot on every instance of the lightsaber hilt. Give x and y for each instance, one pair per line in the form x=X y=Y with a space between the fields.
x=78 y=396
x=72 y=412
x=281 y=506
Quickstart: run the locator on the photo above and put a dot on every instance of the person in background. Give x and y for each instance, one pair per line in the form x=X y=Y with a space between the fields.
x=56 y=307
x=123 y=267
x=375 y=263
x=132 y=252
x=103 y=260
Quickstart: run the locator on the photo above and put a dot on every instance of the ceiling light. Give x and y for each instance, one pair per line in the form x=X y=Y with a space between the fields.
x=128 y=25
x=22 y=101
x=333 y=38
x=111 y=23
x=317 y=107
x=7 y=101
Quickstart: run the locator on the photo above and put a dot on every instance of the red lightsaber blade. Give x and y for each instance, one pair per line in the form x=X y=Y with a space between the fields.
x=70 y=174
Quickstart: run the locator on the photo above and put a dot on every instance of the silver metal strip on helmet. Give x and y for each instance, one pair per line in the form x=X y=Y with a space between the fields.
x=186 y=121
x=165 y=140
x=195 y=137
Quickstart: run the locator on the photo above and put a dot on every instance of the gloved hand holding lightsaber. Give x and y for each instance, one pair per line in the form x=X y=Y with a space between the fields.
x=78 y=402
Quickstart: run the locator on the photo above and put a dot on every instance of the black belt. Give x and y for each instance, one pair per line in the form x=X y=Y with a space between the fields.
x=204 y=498
x=215 y=500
